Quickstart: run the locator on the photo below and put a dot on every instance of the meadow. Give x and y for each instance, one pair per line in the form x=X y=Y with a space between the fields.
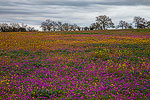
x=110 y=65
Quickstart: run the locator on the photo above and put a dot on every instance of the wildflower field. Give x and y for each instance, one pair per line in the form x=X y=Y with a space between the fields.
x=38 y=65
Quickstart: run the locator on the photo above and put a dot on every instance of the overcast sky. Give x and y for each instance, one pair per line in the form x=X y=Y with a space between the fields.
x=80 y=12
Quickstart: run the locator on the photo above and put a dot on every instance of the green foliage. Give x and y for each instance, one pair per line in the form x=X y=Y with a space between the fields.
x=141 y=30
x=3 y=53
x=48 y=93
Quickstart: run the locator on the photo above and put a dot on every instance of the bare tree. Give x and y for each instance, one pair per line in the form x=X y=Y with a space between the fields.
x=44 y=26
x=31 y=29
x=86 y=28
x=47 y=25
x=4 y=27
x=79 y=28
x=23 y=27
x=104 y=22
x=121 y=24
x=96 y=26
x=66 y=26
x=59 y=24
x=124 y=25
x=71 y=27
x=130 y=26
x=93 y=26
x=139 y=22
x=75 y=27
x=148 y=24
x=15 y=27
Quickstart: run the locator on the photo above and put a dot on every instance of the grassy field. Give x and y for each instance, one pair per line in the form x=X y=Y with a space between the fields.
x=75 y=65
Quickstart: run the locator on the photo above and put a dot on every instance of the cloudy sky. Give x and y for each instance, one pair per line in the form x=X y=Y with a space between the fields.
x=80 y=12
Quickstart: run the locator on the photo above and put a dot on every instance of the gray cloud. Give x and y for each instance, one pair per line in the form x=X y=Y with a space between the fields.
x=79 y=3
x=83 y=12
x=126 y=2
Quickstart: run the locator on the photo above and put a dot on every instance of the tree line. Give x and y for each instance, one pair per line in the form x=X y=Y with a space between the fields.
x=50 y=25
x=102 y=23
x=16 y=27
